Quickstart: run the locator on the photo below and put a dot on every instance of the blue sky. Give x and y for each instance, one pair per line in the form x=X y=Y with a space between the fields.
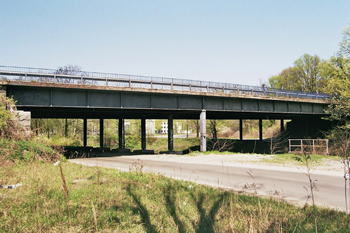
x=239 y=42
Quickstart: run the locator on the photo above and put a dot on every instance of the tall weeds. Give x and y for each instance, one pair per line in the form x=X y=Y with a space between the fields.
x=64 y=184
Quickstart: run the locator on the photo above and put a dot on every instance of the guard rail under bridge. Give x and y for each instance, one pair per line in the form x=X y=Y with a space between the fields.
x=49 y=93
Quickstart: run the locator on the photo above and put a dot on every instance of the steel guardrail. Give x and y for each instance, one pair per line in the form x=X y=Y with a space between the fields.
x=28 y=74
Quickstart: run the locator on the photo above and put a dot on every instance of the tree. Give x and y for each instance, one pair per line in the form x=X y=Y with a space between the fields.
x=337 y=70
x=287 y=79
x=303 y=76
x=308 y=73
x=194 y=124
x=213 y=129
x=69 y=70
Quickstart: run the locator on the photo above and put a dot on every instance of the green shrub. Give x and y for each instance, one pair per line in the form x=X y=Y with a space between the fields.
x=27 y=151
x=9 y=128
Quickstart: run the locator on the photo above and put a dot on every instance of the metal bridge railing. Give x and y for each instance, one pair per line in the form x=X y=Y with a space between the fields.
x=28 y=74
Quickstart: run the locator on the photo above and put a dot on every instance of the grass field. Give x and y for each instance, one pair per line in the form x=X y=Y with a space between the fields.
x=107 y=200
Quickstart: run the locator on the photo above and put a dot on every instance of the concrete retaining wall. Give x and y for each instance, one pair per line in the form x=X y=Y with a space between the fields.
x=24 y=118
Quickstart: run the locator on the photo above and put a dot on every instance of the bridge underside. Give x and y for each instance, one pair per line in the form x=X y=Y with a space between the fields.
x=114 y=113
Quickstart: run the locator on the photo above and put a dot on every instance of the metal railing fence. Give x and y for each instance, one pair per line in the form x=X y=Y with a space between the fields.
x=309 y=145
x=28 y=74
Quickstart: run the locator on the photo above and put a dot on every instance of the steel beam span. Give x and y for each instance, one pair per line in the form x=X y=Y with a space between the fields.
x=51 y=102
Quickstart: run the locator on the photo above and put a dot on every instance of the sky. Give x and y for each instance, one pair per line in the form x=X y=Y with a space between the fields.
x=240 y=42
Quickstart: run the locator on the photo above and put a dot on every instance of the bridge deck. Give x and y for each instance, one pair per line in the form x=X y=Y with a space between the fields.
x=159 y=84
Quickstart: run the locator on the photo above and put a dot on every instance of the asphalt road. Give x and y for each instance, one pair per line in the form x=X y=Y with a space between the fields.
x=289 y=185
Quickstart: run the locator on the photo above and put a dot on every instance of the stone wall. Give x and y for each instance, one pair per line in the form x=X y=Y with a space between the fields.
x=24 y=118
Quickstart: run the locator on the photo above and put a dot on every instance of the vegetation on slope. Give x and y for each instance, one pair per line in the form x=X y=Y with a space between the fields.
x=15 y=144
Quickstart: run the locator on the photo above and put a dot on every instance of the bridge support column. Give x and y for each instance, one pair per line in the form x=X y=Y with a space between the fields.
x=101 y=133
x=85 y=132
x=143 y=134
x=170 y=133
x=282 y=125
x=240 y=129
x=121 y=134
x=260 y=130
x=203 y=130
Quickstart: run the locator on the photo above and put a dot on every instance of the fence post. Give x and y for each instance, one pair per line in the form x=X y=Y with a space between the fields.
x=313 y=146
x=290 y=147
x=301 y=146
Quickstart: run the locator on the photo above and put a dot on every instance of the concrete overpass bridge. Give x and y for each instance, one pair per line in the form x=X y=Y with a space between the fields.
x=91 y=95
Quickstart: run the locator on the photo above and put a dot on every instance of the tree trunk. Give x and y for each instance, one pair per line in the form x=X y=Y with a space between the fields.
x=213 y=129
x=66 y=128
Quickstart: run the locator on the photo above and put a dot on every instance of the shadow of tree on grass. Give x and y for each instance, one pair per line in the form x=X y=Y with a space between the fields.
x=171 y=207
x=207 y=221
x=207 y=218
x=143 y=211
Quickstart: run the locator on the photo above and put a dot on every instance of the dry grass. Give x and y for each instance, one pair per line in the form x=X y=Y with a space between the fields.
x=139 y=202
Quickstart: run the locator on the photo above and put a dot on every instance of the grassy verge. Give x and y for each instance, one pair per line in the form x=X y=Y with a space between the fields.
x=290 y=158
x=25 y=151
x=106 y=200
x=278 y=159
x=161 y=144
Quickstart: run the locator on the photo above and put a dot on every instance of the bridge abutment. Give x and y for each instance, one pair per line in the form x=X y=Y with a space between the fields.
x=24 y=119
x=300 y=128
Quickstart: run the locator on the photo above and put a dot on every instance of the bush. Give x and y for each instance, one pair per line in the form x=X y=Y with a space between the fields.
x=132 y=142
x=9 y=127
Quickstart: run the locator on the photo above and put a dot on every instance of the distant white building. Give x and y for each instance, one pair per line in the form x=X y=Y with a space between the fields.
x=151 y=127
x=164 y=127
x=177 y=127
